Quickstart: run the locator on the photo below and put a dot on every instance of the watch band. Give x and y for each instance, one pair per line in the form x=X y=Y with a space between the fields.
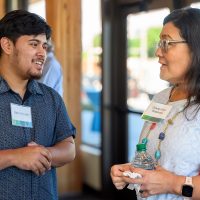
x=187 y=198
x=188 y=180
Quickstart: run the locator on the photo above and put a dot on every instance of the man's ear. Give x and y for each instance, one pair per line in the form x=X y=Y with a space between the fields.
x=6 y=45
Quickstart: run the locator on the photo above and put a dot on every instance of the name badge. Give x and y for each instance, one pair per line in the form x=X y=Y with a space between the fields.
x=156 y=112
x=21 y=115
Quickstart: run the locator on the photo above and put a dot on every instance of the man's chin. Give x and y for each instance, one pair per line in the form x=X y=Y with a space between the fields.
x=36 y=77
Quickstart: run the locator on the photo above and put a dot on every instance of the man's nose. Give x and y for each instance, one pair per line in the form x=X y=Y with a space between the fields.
x=41 y=51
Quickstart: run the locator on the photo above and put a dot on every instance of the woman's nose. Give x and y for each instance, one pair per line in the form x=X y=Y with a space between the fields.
x=158 y=52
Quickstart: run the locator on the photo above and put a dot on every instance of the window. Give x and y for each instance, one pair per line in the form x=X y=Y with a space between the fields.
x=91 y=72
x=195 y=5
x=37 y=7
x=142 y=68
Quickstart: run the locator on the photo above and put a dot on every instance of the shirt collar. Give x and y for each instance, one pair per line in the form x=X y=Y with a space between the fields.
x=32 y=87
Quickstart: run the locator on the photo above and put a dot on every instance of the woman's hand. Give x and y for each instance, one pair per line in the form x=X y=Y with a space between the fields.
x=158 y=181
x=118 y=178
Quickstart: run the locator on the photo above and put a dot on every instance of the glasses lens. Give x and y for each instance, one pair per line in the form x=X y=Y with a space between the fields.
x=163 y=44
x=159 y=44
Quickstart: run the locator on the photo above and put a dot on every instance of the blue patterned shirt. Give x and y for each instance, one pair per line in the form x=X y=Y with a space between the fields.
x=51 y=124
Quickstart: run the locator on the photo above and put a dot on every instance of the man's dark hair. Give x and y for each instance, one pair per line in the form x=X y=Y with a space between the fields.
x=20 y=22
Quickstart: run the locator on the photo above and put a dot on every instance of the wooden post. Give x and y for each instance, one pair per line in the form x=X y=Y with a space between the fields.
x=2 y=8
x=64 y=18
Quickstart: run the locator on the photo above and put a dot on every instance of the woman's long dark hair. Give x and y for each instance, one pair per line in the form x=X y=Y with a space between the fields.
x=187 y=20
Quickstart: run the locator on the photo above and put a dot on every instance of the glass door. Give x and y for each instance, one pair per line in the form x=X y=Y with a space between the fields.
x=91 y=73
x=143 y=69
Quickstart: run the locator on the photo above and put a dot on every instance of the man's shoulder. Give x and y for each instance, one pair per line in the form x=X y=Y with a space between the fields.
x=46 y=90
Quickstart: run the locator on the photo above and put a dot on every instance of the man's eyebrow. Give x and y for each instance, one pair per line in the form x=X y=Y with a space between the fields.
x=35 y=40
x=38 y=41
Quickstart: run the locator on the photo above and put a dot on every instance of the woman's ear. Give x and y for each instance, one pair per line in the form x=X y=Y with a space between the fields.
x=6 y=45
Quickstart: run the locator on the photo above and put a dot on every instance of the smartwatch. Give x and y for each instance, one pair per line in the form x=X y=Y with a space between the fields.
x=187 y=188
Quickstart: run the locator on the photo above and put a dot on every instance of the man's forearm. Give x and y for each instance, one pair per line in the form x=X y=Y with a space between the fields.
x=6 y=158
x=63 y=152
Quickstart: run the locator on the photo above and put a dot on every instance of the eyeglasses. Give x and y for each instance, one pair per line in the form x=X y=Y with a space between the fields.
x=164 y=44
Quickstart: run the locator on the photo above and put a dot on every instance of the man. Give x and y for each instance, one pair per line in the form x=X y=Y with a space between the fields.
x=36 y=134
x=52 y=74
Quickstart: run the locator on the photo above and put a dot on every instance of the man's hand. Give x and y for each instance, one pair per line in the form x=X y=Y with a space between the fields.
x=34 y=157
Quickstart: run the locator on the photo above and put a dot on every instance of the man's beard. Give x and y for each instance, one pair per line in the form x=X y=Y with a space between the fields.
x=35 y=76
x=28 y=74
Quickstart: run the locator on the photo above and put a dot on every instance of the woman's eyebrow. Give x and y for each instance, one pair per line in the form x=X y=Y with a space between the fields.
x=165 y=36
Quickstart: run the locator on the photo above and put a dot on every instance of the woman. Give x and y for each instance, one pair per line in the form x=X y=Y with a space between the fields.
x=174 y=142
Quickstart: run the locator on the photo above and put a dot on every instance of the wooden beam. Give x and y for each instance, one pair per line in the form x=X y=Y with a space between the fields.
x=2 y=8
x=64 y=18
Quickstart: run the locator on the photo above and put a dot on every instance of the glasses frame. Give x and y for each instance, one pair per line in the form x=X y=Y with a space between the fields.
x=164 y=43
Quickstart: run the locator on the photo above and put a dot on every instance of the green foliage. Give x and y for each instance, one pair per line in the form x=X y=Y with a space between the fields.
x=97 y=40
x=152 y=39
x=134 y=47
x=84 y=55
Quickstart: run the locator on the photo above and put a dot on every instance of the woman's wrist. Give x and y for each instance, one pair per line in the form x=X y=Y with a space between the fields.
x=178 y=182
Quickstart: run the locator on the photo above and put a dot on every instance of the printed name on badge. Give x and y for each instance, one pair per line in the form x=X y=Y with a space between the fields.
x=21 y=115
x=156 y=112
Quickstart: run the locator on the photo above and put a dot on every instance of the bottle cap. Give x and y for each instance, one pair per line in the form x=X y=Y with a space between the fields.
x=141 y=147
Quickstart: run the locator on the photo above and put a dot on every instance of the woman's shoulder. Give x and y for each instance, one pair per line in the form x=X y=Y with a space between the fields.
x=162 y=96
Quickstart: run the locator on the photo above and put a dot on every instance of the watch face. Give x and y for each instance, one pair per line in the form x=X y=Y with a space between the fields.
x=187 y=190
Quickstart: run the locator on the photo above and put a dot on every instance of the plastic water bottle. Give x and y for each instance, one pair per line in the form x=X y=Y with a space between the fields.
x=142 y=160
